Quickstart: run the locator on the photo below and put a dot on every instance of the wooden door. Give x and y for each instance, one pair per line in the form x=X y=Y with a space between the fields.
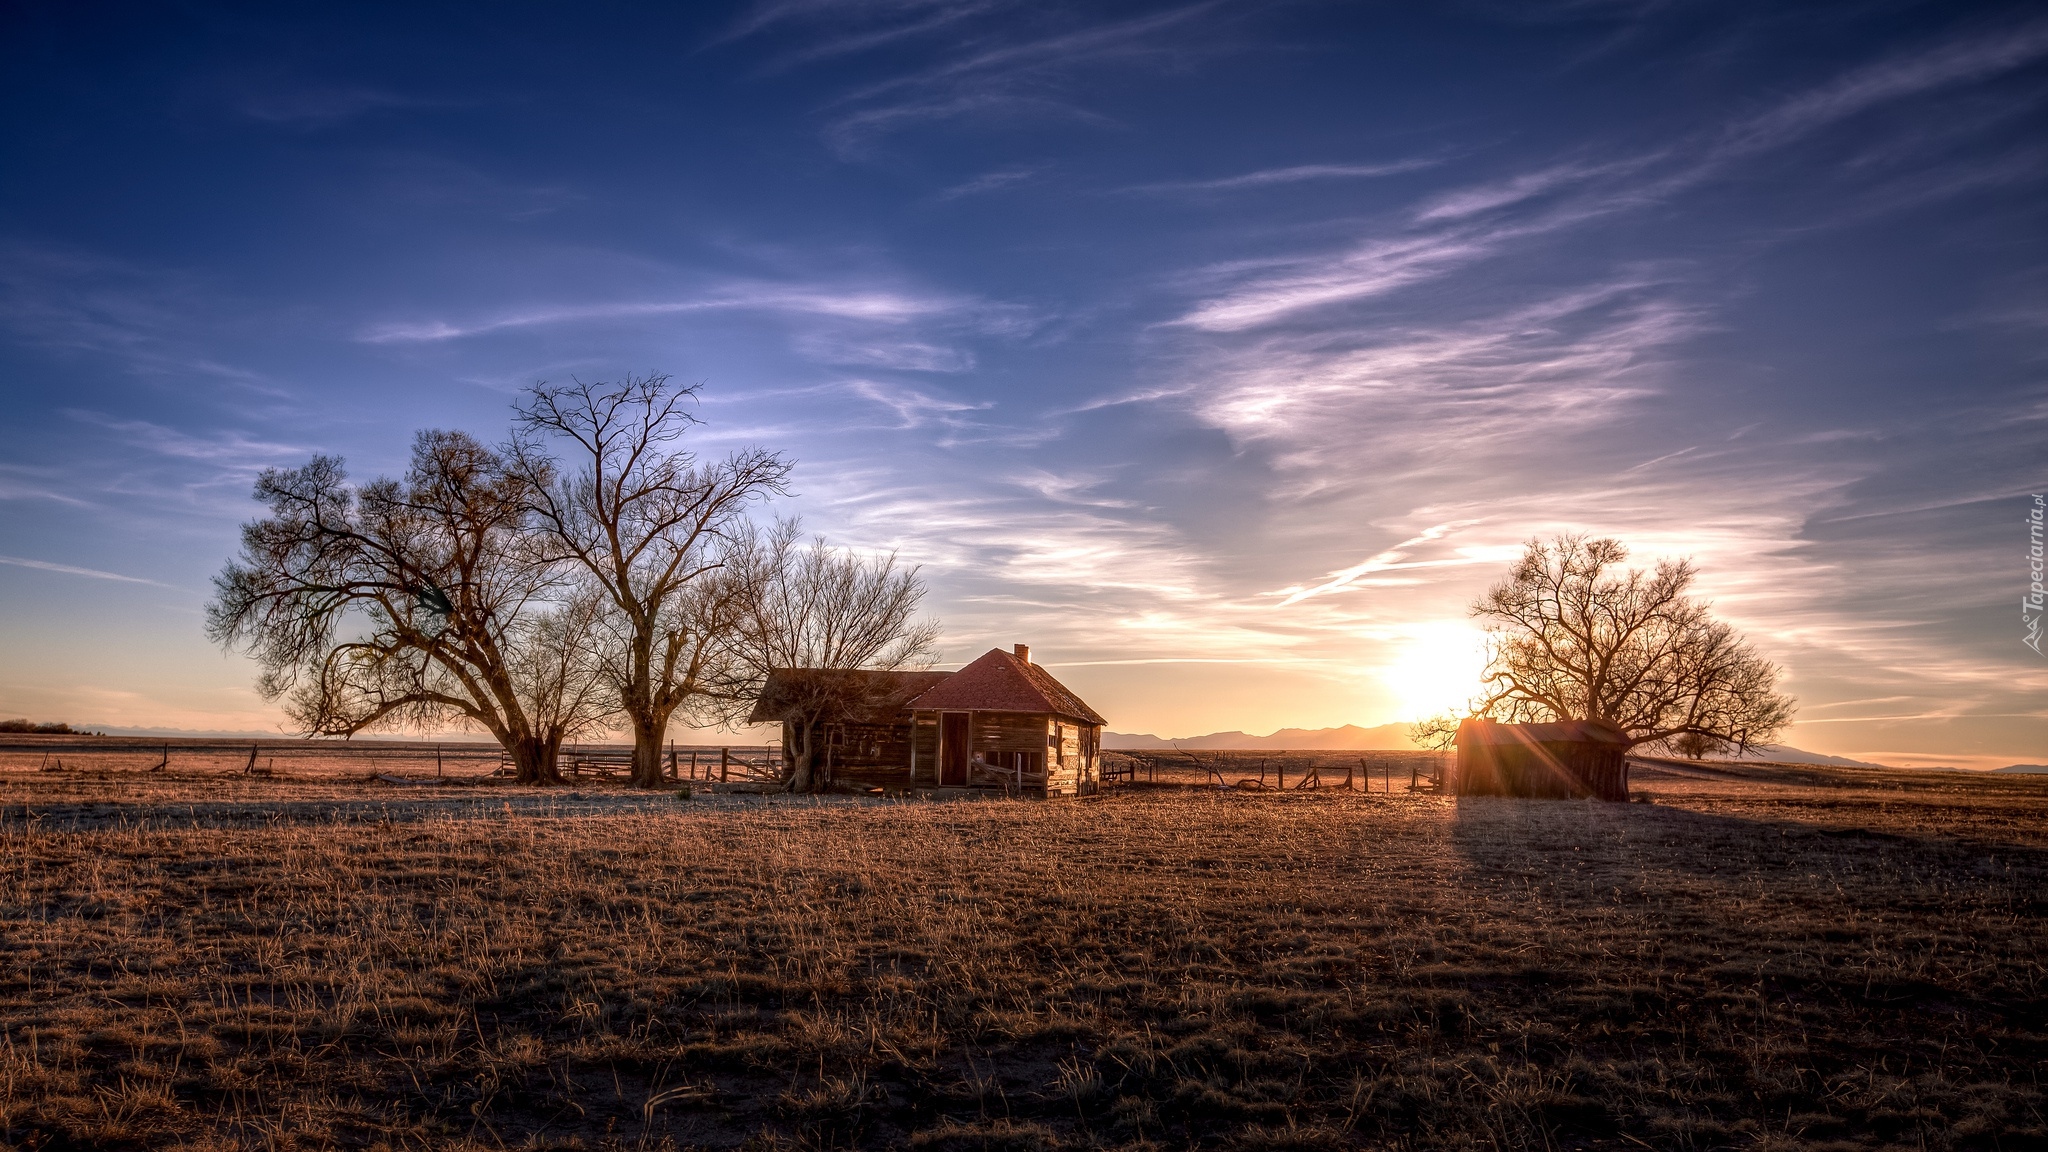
x=953 y=749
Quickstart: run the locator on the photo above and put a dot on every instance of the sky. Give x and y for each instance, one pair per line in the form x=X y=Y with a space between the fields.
x=1222 y=352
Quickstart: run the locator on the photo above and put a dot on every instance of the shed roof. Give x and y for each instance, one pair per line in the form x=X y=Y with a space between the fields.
x=1475 y=731
x=878 y=697
x=1002 y=682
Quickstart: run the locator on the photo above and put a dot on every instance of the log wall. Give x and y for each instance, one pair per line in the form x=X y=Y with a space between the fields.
x=871 y=754
x=1059 y=756
x=1549 y=770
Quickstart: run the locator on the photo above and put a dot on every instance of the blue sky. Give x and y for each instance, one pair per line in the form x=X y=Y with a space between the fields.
x=1222 y=352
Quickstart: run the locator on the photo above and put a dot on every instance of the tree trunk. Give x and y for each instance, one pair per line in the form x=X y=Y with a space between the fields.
x=533 y=759
x=647 y=752
x=801 y=777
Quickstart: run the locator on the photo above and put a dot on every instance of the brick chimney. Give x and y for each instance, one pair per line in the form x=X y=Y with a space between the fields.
x=1023 y=652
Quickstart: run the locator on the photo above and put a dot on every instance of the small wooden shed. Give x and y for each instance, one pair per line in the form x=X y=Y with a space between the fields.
x=1571 y=759
x=1004 y=721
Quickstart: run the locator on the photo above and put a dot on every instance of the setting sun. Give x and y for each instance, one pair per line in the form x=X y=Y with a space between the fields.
x=1436 y=668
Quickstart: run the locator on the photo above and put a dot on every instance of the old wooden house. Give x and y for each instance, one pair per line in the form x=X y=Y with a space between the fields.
x=1005 y=721
x=1001 y=722
x=1573 y=759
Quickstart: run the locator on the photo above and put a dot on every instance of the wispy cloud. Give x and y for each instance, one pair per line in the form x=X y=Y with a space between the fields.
x=845 y=27
x=1390 y=560
x=1015 y=57
x=1661 y=459
x=1517 y=189
x=1464 y=226
x=1553 y=367
x=914 y=408
x=884 y=351
x=1300 y=173
x=213 y=446
x=991 y=181
x=1370 y=269
x=153 y=321
x=993 y=60
x=1962 y=61
x=877 y=306
x=72 y=570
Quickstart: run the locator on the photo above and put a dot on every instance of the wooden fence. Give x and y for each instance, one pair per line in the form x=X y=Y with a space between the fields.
x=314 y=758
x=1357 y=771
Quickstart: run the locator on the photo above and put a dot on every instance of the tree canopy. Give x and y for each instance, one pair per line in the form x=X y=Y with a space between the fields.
x=1576 y=634
x=645 y=525
x=412 y=600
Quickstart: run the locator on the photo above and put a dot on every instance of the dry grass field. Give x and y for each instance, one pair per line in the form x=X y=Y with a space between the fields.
x=1752 y=958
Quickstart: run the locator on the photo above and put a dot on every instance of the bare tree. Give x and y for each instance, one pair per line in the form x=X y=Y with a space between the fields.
x=452 y=617
x=1575 y=635
x=1437 y=732
x=1694 y=746
x=647 y=523
x=825 y=615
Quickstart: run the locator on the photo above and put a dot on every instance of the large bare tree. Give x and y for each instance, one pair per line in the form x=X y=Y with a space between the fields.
x=825 y=615
x=648 y=524
x=1575 y=634
x=412 y=601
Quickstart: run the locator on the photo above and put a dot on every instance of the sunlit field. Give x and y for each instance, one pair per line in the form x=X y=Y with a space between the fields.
x=1764 y=957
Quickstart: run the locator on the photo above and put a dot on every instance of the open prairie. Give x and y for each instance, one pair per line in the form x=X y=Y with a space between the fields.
x=1758 y=957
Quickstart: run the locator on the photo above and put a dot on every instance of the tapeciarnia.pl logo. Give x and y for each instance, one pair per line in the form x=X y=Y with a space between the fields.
x=2036 y=599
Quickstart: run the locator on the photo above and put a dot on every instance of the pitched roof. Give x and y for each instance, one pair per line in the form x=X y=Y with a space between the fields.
x=1474 y=731
x=882 y=697
x=1001 y=682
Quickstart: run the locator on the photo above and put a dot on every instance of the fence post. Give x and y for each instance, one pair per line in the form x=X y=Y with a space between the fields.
x=1281 y=768
x=437 y=761
x=724 y=765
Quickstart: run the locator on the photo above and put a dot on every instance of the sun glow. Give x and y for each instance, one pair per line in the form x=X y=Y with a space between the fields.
x=1436 y=668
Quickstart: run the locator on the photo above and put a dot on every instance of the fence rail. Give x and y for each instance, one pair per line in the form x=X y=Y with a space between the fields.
x=297 y=757
x=1369 y=770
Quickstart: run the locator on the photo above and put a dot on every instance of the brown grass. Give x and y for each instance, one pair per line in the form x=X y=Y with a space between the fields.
x=1759 y=958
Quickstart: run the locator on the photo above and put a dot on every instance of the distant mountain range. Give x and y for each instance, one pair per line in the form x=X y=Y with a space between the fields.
x=1786 y=754
x=2024 y=769
x=1394 y=737
x=1384 y=736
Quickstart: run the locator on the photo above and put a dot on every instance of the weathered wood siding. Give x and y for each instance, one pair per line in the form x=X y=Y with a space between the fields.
x=872 y=754
x=1546 y=770
x=1060 y=756
x=922 y=768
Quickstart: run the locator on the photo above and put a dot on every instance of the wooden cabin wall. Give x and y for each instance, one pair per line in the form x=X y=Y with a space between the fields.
x=1066 y=754
x=998 y=736
x=1551 y=770
x=873 y=754
x=1071 y=761
x=923 y=767
x=879 y=755
x=1086 y=759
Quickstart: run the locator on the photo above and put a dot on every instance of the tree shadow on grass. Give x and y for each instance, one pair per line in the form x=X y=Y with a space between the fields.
x=1494 y=834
